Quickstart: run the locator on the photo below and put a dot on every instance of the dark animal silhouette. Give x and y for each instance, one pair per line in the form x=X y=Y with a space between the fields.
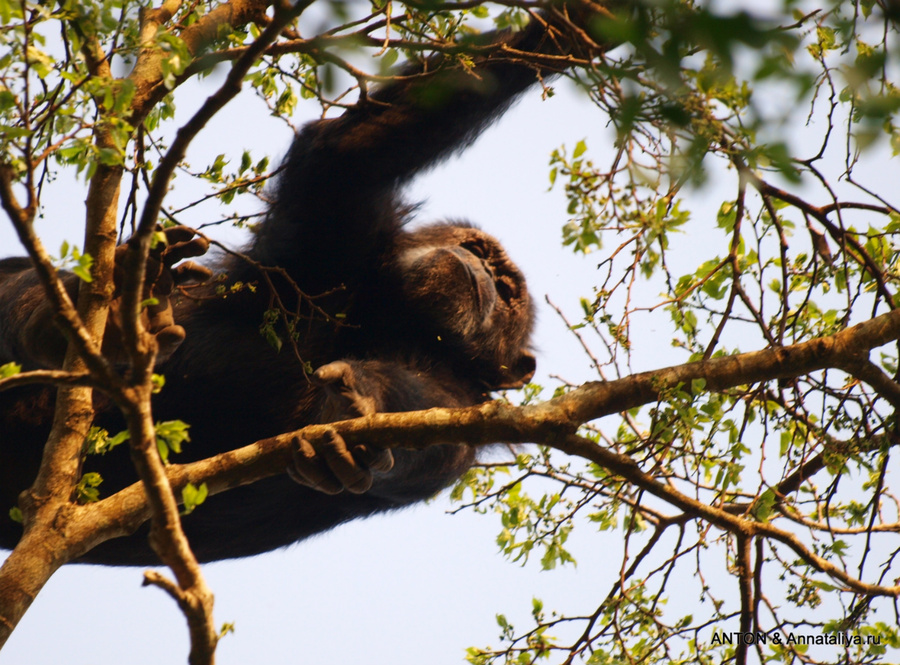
x=432 y=317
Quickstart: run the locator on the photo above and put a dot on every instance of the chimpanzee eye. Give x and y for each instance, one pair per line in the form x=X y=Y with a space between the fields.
x=475 y=248
x=506 y=288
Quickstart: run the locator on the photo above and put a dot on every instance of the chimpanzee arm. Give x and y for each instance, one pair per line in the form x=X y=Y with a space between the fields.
x=28 y=334
x=355 y=388
x=337 y=193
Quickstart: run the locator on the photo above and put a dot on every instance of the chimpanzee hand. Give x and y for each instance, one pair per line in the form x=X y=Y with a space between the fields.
x=331 y=467
x=159 y=284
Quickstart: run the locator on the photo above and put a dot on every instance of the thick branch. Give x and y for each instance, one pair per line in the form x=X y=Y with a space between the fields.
x=166 y=535
x=147 y=74
x=552 y=423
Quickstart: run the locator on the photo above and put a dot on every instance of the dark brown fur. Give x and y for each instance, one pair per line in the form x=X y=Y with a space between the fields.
x=434 y=317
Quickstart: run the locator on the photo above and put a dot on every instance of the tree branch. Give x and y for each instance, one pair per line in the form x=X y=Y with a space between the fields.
x=553 y=423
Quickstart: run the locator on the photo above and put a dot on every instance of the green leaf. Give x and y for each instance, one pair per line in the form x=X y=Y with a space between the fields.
x=390 y=57
x=762 y=507
x=193 y=496
x=6 y=13
x=10 y=132
x=86 y=489
x=99 y=442
x=839 y=547
x=7 y=99
x=580 y=149
x=82 y=267
x=685 y=621
x=158 y=381
x=826 y=37
x=169 y=437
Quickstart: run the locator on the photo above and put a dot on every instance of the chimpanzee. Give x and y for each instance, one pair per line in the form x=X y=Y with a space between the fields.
x=394 y=320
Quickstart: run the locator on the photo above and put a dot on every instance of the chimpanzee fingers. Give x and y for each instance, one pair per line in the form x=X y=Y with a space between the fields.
x=160 y=282
x=334 y=372
x=189 y=271
x=345 y=398
x=310 y=469
x=168 y=339
x=356 y=478
x=176 y=234
x=182 y=250
x=159 y=321
x=373 y=458
x=329 y=467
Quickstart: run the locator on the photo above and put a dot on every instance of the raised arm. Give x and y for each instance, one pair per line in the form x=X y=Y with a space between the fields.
x=341 y=175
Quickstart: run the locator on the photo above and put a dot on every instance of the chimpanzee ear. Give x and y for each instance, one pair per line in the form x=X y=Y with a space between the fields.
x=519 y=374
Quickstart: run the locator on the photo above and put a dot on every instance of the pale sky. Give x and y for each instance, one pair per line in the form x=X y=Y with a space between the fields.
x=417 y=586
